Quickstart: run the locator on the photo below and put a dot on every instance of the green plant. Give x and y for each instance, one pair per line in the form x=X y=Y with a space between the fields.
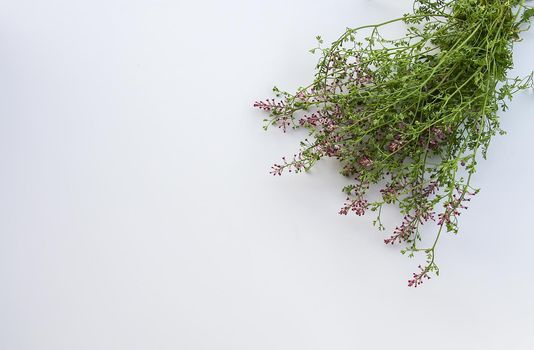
x=411 y=114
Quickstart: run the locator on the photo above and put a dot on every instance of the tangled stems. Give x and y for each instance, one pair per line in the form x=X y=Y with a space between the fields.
x=409 y=115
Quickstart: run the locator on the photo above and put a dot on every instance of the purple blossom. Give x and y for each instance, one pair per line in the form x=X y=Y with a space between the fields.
x=358 y=206
x=418 y=278
x=365 y=161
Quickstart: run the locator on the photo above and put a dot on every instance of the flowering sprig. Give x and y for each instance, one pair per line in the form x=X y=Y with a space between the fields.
x=409 y=115
x=419 y=277
x=297 y=164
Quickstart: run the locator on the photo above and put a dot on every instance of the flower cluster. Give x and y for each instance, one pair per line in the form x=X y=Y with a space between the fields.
x=278 y=108
x=418 y=277
x=297 y=164
x=358 y=206
x=408 y=230
x=449 y=217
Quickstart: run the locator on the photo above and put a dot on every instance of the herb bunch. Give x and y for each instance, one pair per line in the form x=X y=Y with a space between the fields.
x=409 y=115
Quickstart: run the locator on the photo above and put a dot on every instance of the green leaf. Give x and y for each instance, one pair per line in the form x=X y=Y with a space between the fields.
x=529 y=13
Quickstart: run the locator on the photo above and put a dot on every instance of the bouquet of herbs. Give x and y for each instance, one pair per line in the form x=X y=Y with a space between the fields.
x=409 y=115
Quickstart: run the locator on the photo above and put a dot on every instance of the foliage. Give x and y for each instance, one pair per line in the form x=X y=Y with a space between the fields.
x=410 y=114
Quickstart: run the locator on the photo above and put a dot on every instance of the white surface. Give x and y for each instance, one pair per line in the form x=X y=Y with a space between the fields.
x=137 y=212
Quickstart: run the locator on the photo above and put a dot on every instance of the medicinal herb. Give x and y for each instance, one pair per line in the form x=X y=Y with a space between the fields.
x=409 y=115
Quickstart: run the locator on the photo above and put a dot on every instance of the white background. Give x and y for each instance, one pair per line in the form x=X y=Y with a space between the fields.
x=137 y=212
